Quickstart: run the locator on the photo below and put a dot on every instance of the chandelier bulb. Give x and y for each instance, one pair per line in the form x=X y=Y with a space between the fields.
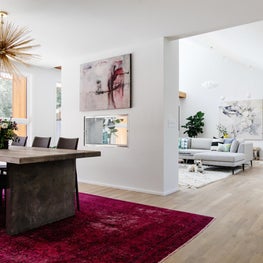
x=3 y=14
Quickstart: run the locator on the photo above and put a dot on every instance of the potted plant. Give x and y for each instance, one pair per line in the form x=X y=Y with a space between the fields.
x=109 y=129
x=7 y=128
x=195 y=124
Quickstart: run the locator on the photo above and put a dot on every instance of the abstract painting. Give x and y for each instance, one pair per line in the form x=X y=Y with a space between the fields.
x=106 y=84
x=242 y=118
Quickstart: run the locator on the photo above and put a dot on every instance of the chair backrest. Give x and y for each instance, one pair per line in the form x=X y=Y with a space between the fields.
x=68 y=143
x=19 y=141
x=43 y=142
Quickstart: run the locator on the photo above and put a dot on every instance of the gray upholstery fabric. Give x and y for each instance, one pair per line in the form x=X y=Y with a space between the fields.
x=201 y=143
x=192 y=151
x=241 y=148
x=234 y=146
x=220 y=156
x=200 y=150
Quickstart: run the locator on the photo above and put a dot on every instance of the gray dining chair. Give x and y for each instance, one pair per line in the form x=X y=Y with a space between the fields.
x=19 y=141
x=72 y=144
x=43 y=142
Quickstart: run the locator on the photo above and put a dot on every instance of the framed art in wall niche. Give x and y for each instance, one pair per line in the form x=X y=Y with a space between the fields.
x=106 y=84
x=106 y=130
x=242 y=118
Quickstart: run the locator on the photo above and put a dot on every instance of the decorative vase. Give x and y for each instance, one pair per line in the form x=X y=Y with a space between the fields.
x=5 y=145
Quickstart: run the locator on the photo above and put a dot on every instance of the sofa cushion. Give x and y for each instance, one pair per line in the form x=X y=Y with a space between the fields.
x=234 y=146
x=179 y=143
x=215 y=143
x=224 y=147
x=228 y=140
x=201 y=143
x=220 y=156
x=184 y=143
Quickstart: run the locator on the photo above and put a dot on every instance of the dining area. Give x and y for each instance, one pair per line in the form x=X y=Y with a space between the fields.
x=39 y=184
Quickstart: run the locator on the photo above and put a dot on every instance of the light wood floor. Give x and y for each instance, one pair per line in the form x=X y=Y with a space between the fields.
x=236 y=202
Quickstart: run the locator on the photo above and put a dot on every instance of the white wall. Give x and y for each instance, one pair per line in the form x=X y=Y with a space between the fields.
x=235 y=82
x=41 y=84
x=171 y=102
x=139 y=167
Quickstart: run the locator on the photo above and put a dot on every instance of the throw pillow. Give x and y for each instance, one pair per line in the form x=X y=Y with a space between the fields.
x=234 y=146
x=224 y=147
x=179 y=143
x=227 y=147
x=215 y=143
x=184 y=143
x=228 y=140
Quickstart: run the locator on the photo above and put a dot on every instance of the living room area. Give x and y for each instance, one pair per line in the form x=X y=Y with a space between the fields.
x=222 y=77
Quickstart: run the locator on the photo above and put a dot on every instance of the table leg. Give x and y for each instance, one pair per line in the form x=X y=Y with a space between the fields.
x=38 y=194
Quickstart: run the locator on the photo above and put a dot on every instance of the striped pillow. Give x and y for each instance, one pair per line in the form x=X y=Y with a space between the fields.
x=215 y=143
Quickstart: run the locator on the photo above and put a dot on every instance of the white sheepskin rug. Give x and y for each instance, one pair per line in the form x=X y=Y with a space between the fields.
x=196 y=179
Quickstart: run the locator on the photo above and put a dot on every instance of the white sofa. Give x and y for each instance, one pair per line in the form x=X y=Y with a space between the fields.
x=233 y=153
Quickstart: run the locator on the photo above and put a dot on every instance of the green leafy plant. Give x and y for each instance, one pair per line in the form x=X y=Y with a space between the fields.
x=7 y=128
x=195 y=124
x=109 y=129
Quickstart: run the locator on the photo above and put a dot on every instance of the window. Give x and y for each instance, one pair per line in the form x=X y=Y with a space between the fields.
x=107 y=130
x=13 y=100
x=5 y=97
x=58 y=110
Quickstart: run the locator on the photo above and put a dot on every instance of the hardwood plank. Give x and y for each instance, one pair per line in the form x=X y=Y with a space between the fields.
x=237 y=204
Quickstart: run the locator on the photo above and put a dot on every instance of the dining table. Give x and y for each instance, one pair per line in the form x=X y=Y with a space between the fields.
x=40 y=185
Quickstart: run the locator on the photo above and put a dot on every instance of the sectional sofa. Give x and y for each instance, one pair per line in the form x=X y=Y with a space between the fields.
x=227 y=152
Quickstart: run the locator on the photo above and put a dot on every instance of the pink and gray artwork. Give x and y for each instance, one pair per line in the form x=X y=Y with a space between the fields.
x=106 y=84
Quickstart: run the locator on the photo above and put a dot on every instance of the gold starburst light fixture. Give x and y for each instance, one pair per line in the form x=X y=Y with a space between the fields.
x=15 y=46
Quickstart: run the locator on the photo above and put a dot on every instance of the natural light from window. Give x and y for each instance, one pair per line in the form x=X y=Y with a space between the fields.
x=13 y=100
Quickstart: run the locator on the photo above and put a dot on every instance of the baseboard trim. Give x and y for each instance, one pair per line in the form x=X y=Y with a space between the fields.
x=145 y=191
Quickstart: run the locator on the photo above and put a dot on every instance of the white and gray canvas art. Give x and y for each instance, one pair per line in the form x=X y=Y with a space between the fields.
x=242 y=118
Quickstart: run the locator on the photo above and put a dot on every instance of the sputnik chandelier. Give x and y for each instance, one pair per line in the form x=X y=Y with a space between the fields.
x=15 y=46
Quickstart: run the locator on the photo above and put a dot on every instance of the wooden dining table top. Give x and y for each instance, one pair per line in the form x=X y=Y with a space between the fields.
x=25 y=155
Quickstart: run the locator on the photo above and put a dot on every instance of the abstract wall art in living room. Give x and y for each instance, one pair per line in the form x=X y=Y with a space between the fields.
x=106 y=84
x=242 y=118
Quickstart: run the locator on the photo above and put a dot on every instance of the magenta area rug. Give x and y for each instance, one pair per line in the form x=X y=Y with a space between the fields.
x=105 y=231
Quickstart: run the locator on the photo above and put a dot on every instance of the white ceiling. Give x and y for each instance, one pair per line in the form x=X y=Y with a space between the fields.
x=242 y=43
x=67 y=29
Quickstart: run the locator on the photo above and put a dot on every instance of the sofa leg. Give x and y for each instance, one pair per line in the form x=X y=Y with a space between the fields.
x=251 y=162
x=233 y=170
x=243 y=167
